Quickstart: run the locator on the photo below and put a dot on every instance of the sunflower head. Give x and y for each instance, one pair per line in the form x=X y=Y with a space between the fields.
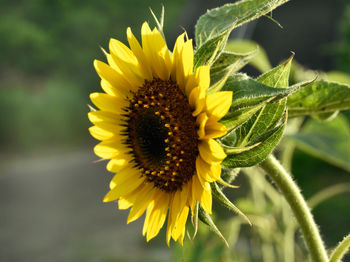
x=157 y=127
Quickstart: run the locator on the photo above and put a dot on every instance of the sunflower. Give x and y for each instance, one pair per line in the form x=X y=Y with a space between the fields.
x=157 y=127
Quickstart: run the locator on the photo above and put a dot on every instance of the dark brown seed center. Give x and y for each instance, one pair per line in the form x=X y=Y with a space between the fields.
x=162 y=134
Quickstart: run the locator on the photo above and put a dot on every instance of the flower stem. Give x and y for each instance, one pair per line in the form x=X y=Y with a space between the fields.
x=298 y=204
x=340 y=250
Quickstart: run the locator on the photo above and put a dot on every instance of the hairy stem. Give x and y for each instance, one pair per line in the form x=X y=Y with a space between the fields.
x=298 y=204
x=340 y=250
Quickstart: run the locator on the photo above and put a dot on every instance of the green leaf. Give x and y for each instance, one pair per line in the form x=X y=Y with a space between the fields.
x=257 y=154
x=225 y=18
x=319 y=97
x=206 y=219
x=329 y=141
x=260 y=61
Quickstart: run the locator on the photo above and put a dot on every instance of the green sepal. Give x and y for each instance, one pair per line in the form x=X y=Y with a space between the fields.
x=236 y=118
x=220 y=196
x=248 y=92
x=228 y=63
x=229 y=174
x=257 y=131
x=206 y=219
x=207 y=53
x=278 y=76
x=230 y=150
x=271 y=113
x=194 y=219
x=268 y=141
x=223 y=78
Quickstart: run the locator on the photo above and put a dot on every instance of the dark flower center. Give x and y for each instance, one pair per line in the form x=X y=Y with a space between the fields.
x=162 y=135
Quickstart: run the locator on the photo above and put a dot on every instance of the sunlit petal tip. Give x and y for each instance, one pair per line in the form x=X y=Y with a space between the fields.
x=124 y=204
x=145 y=29
x=180 y=40
x=110 y=196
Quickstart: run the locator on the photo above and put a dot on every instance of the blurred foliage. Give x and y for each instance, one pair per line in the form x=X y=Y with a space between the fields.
x=46 y=72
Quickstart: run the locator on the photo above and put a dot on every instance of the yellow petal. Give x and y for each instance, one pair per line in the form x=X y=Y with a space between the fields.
x=119 y=162
x=158 y=215
x=176 y=54
x=218 y=104
x=143 y=199
x=201 y=77
x=180 y=223
x=202 y=194
x=115 y=165
x=124 y=184
x=109 y=103
x=178 y=203
x=201 y=122
x=148 y=214
x=102 y=116
x=191 y=201
x=181 y=237
x=116 y=127
x=213 y=129
x=107 y=149
x=156 y=52
x=124 y=203
x=138 y=52
x=197 y=99
x=111 y=75
x=180 y=199
x=100 y=133
x=123 y=175
x=118 y=91
x=208 y=172
x=127 y=62
x=211 y=151
x=184 y=66
x=120 y=50
x=170 y=224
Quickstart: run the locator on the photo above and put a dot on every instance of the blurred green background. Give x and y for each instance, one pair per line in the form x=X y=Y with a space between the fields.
x=50 y=189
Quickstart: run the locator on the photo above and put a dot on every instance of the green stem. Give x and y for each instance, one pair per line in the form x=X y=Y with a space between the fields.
x=340 y=250
x=300 y=209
